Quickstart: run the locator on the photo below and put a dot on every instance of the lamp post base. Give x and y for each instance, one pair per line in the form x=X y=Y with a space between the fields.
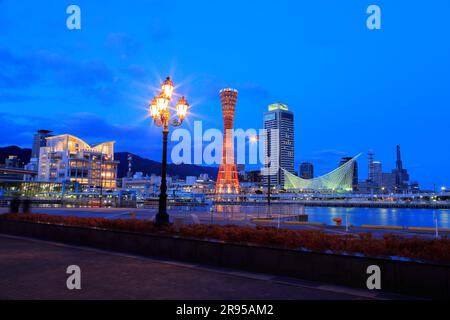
x=161 y=219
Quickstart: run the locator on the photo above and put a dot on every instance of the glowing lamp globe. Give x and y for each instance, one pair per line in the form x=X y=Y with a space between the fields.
x=182 y=107
x=162 y=103
x=167 y=88
x=154 y=112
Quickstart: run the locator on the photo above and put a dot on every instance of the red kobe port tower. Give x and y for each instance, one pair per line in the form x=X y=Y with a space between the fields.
x=227 y=178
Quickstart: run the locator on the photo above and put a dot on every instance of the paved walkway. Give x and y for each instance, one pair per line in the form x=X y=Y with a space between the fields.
x=34 y=269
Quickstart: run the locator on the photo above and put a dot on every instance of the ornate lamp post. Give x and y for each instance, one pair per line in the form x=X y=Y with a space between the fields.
x=161 y=114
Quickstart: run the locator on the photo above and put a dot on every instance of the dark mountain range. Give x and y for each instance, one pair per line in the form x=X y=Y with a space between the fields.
x=140 y=164
x=148 y=166
x=23 y=154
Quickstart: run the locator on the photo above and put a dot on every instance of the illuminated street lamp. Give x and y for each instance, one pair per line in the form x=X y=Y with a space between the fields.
x=162 y=117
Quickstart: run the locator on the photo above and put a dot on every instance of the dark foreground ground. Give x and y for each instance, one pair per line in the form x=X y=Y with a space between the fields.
x=33 y=269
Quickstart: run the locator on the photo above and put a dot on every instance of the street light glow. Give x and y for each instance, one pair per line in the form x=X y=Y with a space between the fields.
x=159 y=110
x=182 y=107
x=167 y=88
x=154 y=112
x=162 y=102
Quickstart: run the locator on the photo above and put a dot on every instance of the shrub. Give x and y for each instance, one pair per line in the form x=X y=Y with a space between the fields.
x=437 y=250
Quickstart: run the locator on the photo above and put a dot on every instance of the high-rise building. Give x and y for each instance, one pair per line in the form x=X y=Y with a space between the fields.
x=279 y=146
x=377 y=172
x=306 y=170
x=370 y=157
x=343 y=161
x=130 y=165
x=227 y=178
x=401 y=175
x=68 y=158
x=39 y=140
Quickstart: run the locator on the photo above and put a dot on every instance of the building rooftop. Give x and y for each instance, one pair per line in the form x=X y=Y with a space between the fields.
x=278 y=106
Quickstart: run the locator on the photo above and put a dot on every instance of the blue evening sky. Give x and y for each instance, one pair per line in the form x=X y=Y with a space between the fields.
x=351 y=89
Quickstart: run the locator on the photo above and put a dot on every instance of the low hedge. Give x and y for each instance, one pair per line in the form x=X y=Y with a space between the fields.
x=436 y=250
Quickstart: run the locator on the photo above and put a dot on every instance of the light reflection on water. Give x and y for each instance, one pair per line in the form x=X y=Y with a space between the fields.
x=356 y=216
x=382 y=216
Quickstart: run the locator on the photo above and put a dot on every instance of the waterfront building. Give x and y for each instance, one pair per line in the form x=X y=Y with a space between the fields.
x=396 y=181
x=343 y=161
x=68 y=158
x=374 y=181
x=306 y=170
x=375 y=178
x=377 y=173
x=203 y=177
x=388 y=180
x=11 y=162
x=37 y=189
x=254 y=176
x=203 y=187
x=227 y=177
x=401 y=174
x=279 y=143
x=191 y=180
x=33 y=165
x=149 y=186
x=39 y=141
x=143 y=186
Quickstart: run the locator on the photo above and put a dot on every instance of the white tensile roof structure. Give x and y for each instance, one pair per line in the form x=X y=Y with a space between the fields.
x=338 y=180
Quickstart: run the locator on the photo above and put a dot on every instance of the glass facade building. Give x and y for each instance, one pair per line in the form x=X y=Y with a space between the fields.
x=279 y=146
x=36 y=188
x=68 y=158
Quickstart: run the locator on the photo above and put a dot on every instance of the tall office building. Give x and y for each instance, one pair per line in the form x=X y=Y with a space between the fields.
x=306 y=170
x=279 y=146
x=370 y=157
x=401 y=175
x=68 y=158
x=343 y=161
x=39 y=140
x=377 y=173
x=227 y=178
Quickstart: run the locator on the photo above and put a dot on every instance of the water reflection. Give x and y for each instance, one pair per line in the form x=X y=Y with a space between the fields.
x=355 y=216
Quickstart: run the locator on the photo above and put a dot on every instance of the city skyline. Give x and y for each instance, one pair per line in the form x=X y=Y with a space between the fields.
x=374 y=91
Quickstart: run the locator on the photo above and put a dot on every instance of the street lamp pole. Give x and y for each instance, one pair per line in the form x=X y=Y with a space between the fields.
x=159 y=111
x=162 y=217
x=268 y=167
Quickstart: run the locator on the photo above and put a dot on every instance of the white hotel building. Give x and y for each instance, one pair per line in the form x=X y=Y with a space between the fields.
x=68 y=158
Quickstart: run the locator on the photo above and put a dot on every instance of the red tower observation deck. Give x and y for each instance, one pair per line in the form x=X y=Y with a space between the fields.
x=227 y=178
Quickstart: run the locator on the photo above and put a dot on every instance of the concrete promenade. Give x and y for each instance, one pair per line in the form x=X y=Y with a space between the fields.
x=34 y=269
